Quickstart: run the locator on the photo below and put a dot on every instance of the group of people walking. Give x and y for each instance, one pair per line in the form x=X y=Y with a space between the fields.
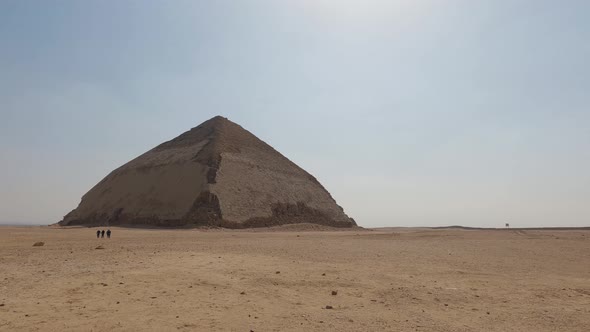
x=100 y=233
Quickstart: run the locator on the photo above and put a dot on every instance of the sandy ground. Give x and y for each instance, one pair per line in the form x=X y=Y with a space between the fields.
x=401 y=280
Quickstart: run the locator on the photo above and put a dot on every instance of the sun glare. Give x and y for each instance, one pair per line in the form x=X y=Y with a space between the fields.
x=362 y=9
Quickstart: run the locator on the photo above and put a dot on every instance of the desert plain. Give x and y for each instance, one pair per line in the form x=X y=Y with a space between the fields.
x=294 y=279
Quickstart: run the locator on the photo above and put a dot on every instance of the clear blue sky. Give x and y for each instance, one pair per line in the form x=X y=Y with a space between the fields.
x=409 y=112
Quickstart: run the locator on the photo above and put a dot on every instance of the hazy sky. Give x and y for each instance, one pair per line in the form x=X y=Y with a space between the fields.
x=409 y=112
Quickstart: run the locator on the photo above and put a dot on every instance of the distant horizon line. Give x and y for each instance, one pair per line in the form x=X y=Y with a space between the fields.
x=8 y=224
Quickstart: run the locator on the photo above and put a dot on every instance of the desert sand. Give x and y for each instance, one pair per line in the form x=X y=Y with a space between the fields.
x=284 y=279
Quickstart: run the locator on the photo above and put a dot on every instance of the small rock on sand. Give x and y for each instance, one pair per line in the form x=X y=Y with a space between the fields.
x=334 y=292
x=329 y=307
x=99 y=247
x=38 y=244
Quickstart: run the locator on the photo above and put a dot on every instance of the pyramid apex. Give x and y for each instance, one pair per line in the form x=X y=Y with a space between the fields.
x=215 y=121
x=219 y=117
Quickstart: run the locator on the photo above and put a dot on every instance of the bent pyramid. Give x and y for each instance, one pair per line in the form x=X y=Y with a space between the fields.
x=217 y=174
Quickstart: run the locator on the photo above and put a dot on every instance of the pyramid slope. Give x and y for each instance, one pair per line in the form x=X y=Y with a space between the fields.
x=216 y=174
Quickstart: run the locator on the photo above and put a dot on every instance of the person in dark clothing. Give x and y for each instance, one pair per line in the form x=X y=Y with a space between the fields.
x=98 y=233
x=109 y=233
x=102 y=233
